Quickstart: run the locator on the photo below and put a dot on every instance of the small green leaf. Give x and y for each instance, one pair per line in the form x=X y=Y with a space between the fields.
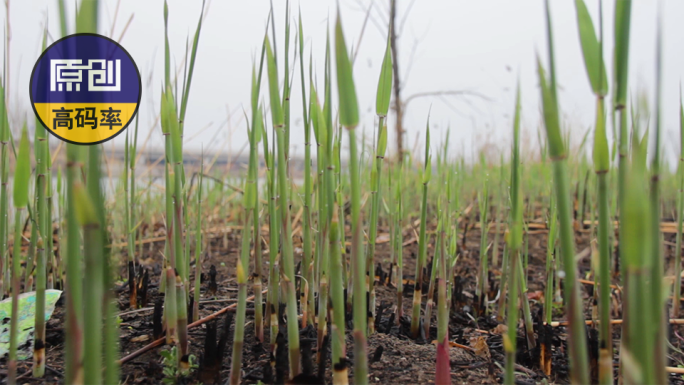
x=551 y=120
x=258 y=125
x=681 y=120
x=22 y=173
x=601 y=154
x=382 y=141
x=349 y=106
x=255 y=88
x=591 y=50
x=249 y=199
x=382 y=98
x=427 y=140
x=170 y=116
x=276 y=106
x=623 y=9
x=427 y=174
x=85 y=210
x=314 y=115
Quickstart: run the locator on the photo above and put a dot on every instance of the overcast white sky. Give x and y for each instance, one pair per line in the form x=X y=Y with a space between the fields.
x=478 y=46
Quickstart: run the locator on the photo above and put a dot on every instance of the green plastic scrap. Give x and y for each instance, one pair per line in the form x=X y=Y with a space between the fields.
x=27 y=312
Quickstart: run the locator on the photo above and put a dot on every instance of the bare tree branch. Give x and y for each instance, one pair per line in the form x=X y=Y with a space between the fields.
x=398 y=107
x=406 y=13
x=446 y=93
x=362 y=8
x=363 y=29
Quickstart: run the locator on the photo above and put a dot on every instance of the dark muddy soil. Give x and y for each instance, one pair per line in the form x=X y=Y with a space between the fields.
x=476 y=358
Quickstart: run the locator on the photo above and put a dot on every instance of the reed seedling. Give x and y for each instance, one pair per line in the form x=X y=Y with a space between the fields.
x=42 y=156
x=349 y=119
x=442 y=369
x=550 y=263
x=4 y=182
x=382 y=101
x=398 y=241
x=680 y=218
x=130 y=151
x=514 y=241
x=483 y=280
x=250 y=201
x=22 y=174
x=558 y=154
x=592 y=49
x=288 y=286
x=422 y=241
x=198 y=243
x=308 y=307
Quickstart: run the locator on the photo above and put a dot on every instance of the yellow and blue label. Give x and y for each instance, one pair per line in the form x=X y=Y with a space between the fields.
x=85 y=89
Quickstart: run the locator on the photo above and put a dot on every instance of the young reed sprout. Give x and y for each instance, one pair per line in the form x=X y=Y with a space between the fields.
x=656 y=280
x=422 y=240
x=198 y=243
x=623 y=10
x=349 y=119
x=288 y=286
x=559 y=154
x=680 y=218
x=130 y=151
x=249 y=202
x=483 y=284
x=550 y=263
x=592 y=50
x=256 y=134
x=90 y=208
x=4 y=182
x=514 y=241
x=325 y=203
x=382 y=101
x=42 y=155
x=398 y=241
x=308 y=307
x=442 y=370
x=22 y=174
x=272 y=299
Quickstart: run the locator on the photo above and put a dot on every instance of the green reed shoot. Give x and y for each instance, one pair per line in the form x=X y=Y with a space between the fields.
x=90 y=217
x=349 y=118
x=398 y=241
x=680 y=218
x=483 y=280
x=514 y=241
x=323 y=139
x=422 y=240
x=4 y=180
x=129 y=212
x=170 y=311
x=442 y=369
x=41 y=153
x=558 y=154
x=272 y=300
x=198 y=243
x=287 y=256
x=550 y=264
x=639 y=335
x=250 y=201
x=22 y=174
x=622 y=23
x=308 y=307
x=658 y=300
x=382 y=100
x=592 y=49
